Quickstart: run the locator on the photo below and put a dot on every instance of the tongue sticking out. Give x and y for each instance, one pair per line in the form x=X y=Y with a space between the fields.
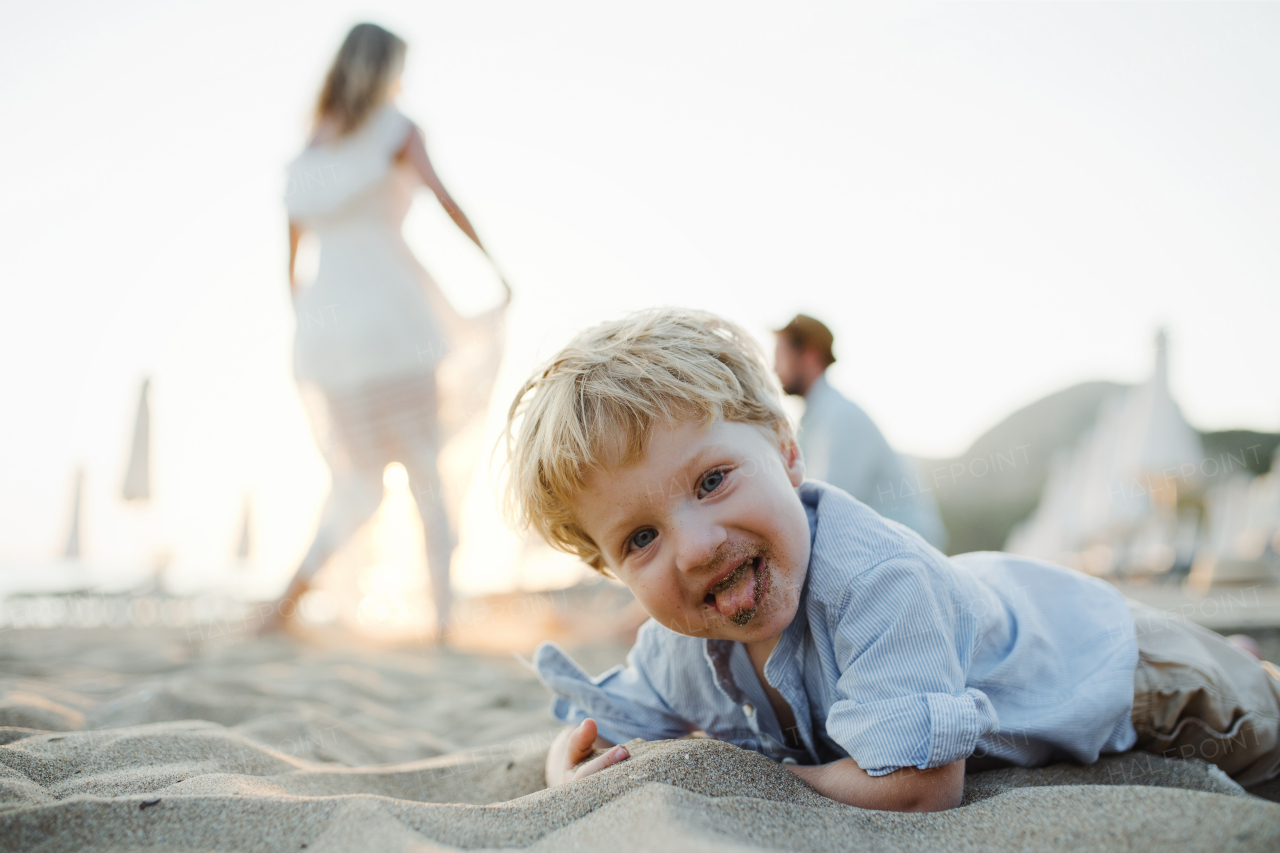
x=738 y=602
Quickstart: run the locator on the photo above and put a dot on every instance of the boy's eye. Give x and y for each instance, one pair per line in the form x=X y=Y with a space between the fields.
x=643 y=538
x=711 y=482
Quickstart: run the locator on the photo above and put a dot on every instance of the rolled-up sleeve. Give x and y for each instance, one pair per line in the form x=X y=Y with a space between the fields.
x=903 y=649
x=624 y=701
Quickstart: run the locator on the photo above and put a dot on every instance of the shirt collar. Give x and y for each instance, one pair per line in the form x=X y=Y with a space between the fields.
x=818 y=389
x=814 y=401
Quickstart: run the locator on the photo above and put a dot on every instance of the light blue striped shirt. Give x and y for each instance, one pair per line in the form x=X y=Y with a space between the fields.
x=898 y=657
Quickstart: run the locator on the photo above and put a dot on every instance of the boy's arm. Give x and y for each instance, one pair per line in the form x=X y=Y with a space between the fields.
x=906 y=790
x=625 y=702
x=573 y=746
x=904 y=640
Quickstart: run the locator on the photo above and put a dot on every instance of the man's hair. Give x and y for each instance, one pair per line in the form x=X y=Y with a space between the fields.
x=805 y=332
x=598 y=400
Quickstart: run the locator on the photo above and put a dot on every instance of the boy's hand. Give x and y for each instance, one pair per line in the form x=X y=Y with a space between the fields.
x=573 y=746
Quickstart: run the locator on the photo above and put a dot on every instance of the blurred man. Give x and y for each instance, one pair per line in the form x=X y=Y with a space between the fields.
x=841 y=444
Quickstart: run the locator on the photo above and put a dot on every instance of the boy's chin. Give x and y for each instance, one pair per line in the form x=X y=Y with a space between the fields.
x=758 y=630
x=762 y=627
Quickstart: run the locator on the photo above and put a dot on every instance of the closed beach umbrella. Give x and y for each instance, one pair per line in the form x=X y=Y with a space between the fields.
x=137 y=479
x=72 y=551
x=245 y=544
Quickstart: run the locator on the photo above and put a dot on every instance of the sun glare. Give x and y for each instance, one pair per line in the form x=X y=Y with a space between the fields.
x=395 y=478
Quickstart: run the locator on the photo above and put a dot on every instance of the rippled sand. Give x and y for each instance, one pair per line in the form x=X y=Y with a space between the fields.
x=128 y=740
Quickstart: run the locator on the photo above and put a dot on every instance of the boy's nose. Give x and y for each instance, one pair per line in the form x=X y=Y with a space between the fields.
x=696 y=543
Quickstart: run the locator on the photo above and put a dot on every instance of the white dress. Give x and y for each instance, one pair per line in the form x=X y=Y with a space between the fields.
x=373 y=313
x=373 y=333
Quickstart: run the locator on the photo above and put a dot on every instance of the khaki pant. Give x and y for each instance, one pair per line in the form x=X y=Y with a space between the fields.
x=1197 y=696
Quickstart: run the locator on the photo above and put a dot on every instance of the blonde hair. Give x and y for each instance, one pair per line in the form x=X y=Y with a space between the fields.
x=604 y=393
x=369 y=60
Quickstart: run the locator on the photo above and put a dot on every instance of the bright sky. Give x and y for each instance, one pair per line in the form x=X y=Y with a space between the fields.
x=985 y=202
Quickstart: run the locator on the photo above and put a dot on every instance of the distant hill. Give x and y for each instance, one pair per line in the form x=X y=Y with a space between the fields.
x=997 y=482
x=1255 y=448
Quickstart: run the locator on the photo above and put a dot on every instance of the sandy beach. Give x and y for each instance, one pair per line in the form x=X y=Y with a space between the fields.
x=157 y=740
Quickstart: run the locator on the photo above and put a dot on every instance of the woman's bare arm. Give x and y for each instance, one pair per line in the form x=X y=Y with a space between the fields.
x=295 y=234
x=414 y=153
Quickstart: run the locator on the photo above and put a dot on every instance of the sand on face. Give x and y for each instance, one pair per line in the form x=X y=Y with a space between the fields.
x=126 y=741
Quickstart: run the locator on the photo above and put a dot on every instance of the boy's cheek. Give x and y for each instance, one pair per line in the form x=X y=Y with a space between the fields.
x=668 y=609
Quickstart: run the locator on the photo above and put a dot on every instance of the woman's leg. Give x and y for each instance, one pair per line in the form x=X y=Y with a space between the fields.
x=354 y=496
x=424 y=479
x=353 y=499
x=363 y=432
x=420 y=453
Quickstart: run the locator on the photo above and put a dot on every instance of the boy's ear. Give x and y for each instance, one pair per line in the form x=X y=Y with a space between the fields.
x=792 y=459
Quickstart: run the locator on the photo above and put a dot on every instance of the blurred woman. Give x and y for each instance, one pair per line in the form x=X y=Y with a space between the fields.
x=373 y=327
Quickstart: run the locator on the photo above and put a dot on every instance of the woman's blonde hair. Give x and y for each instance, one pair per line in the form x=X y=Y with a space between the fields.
x=601 y=396
x=369 y=60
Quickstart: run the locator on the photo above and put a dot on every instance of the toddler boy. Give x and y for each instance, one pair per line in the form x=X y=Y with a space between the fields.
x=790 y=619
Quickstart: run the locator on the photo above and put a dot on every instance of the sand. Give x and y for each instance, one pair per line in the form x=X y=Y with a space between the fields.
x=145 y=740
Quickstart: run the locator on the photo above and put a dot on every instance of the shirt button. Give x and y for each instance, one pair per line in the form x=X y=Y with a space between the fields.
x=749 y=709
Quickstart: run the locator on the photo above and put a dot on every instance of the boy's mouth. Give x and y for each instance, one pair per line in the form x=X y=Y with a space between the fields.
x=737 y=596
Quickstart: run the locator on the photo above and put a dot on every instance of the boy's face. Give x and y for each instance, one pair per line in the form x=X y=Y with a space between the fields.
x=706 y=529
